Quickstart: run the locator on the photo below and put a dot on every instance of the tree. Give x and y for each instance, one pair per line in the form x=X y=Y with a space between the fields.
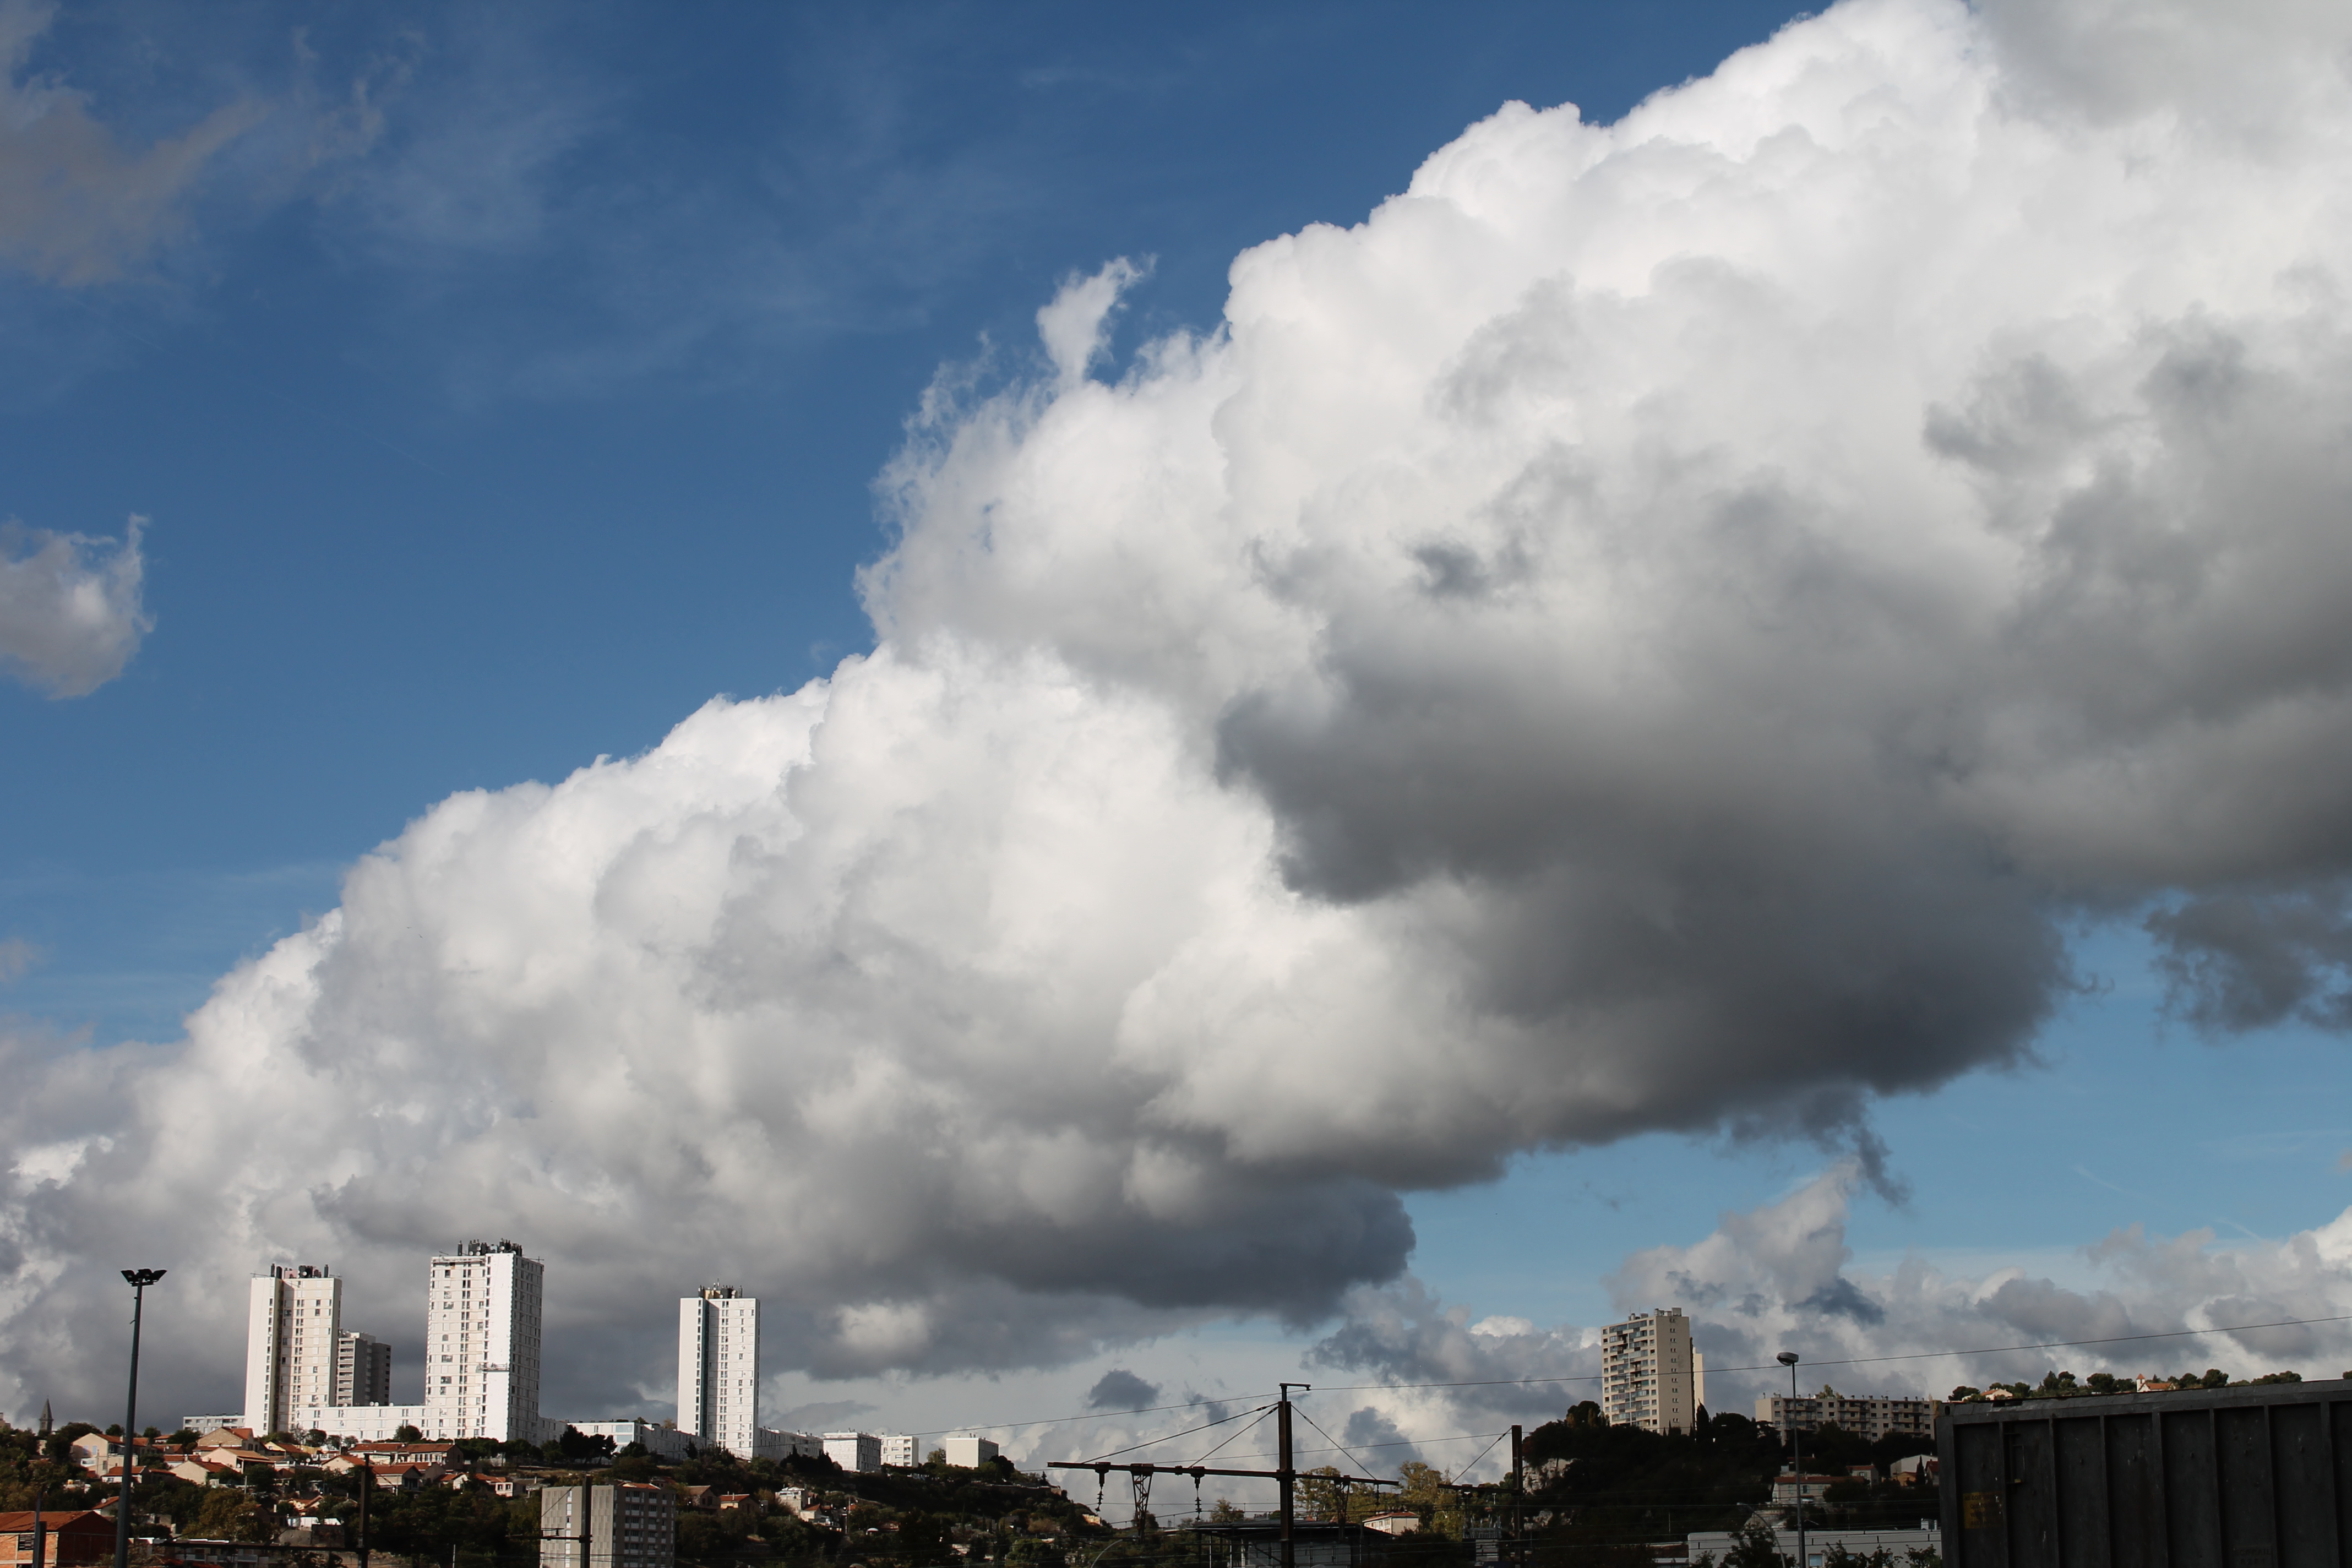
x=923 y=1538
x=575 y=1445
x=227 y=1514
x=1427 y=1491
x=1753 y=1545
x=404 y=1433
x=1322 y=1495
x=1225 y=1512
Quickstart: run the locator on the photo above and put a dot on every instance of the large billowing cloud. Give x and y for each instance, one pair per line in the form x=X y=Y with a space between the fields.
x=70 y=616
x=1656 y=627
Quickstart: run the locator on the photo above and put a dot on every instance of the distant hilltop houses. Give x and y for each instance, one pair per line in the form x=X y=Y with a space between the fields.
x=304 y=1372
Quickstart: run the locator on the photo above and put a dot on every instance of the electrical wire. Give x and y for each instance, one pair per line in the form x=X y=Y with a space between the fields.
x=1331 y=1439
x=1242 y=1432
x=1155 y=1442
x=1089 y=1415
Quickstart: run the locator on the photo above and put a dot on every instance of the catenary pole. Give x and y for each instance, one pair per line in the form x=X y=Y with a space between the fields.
x=1286 y=1477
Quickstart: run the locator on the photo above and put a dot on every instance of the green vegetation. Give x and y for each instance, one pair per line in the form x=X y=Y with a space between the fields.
x=2057 y=1384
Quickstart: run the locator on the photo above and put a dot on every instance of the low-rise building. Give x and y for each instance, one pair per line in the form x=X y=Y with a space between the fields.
x=772 y=1443
x=1872 y=1415
x=1788 y=1486
x=1859 y=1544
x=970 y=1452
x=856 y=1451
x=661 y=1438
x=68 y=1538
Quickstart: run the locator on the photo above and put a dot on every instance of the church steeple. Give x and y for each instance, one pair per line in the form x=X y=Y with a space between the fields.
x=45 y=1417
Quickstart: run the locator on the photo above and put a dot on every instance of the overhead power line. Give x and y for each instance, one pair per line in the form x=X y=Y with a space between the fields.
x=1869 y=1360
x=1594 y=1378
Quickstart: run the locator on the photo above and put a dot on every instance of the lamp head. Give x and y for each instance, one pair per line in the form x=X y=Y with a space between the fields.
x=144 y=1276
x=1788 y=1358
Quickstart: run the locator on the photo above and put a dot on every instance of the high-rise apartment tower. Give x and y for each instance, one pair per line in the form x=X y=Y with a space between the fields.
x=1650 y=1375
x=293 y=1319
x=481 y=1341
x=482 y=1331
x=719 y=1369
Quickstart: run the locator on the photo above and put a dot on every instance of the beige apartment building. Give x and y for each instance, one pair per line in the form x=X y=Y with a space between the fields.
x=1651 y=1375
x=1867 y=1414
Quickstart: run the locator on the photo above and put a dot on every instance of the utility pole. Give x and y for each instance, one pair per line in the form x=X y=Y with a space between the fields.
x=1285 y=1475
x=140 y=1279
x=367 y=1485
x=1518 y=1481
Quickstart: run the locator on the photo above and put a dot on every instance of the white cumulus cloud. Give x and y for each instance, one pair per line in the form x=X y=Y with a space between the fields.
x=1780 y=1276
x=1654 y=628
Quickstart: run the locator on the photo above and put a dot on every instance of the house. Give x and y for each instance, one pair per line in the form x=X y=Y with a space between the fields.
x=1917 y=1470
x=203 y=1472
x=83 y=1537
x=746 y=1502
x=226 y=1438
x=1397 y=1522
x=407 y=1478
x=1786 y=1485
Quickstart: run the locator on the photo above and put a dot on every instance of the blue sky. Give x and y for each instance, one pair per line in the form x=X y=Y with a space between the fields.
x=506 y=442
x=513 y=380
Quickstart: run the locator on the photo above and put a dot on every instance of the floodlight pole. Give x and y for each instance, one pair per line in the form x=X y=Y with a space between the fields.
x=140 y=1279
x=1797 y=1456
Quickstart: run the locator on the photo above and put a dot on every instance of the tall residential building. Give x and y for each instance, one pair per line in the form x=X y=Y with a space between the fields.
x=482 y=1326
x=1870 y=1416
x=631 y=1524
x=898 y=1449
x=293 y=1319
x=719 y=1369
x=1650 y=1374
x=481 y=1340
x=363 y=1370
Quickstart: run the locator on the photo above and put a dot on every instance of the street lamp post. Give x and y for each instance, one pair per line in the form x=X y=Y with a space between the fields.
x=140 y=1279
x=1796 y=1453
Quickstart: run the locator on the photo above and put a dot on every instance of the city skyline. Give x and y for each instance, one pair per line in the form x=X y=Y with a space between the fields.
x=1120 y=708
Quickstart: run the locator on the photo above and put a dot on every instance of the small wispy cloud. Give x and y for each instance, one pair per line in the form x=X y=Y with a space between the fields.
x=76 y=206
x=17 y=956
x=71 y=613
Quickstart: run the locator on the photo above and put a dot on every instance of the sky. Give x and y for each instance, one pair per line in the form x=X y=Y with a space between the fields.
x=1128 y=704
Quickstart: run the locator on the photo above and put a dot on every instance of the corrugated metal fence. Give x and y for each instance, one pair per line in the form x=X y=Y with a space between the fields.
x=2223 y=1478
